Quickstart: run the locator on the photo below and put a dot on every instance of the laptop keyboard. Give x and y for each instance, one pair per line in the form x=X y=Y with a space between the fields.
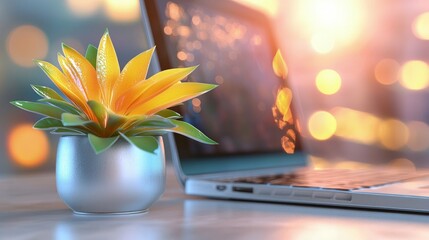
x=335 y=179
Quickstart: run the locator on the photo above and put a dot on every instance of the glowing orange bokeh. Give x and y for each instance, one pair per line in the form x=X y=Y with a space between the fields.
x=26 y=43
x=28 y=147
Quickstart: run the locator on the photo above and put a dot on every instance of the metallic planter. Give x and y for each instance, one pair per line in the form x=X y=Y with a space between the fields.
x=121 y=180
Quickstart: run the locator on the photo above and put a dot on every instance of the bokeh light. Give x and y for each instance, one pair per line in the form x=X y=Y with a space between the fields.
x=322 y=43
x=356 y=126
x=322 y=125
x=319 y=162
x=387 y=71
x=328 y=81
x=402 y=164
x=415 y=75
x=123 y=10
x=83 y=8
x=421 y=26
x=341 y=20
x=28 y=147
x=348 y=164
x=393 y=134
x=269 y=7
x=26 y=43
x=419 y=136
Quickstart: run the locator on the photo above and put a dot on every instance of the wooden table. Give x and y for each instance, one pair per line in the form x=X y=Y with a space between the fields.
x=31 y=209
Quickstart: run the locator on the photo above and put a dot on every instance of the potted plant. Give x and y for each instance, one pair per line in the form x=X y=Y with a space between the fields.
x=110 y=157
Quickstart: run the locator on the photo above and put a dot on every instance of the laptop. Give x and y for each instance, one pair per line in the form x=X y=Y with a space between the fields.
x=259 y=156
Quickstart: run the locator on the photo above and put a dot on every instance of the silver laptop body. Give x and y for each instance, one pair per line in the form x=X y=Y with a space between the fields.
x=214 y=175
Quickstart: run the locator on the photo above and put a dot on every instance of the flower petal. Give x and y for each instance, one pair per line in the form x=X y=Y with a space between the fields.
x=72 y=76
x=107 y=67
x=135 y=71
x=177 y=93
x=85 y=71
x=146 y=90
x=69 y=89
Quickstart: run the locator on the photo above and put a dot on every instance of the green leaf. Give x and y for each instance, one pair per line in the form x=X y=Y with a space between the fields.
x=110 y=121
x=145 y=143
x=70 y=120
x=101 y=144
x=67 y=131
x=155 y=121
x=91 y=54
x=48 y=123
x=168 y=113
x=46 y=92
x=39 y=108
x=100 y=112
x=190 y=131
x=182 y=128
x=150 y=132
x=63 y=105
x=144 y=131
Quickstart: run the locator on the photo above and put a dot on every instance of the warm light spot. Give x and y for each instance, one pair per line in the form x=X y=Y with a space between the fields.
x=173 y=11
x=347 y=164
x=28 y=147
x=26 y=43
x=256 y=40
x=402 y=164
x=332 y=229
x=219 y=79
x=386 y=71
x=421 y=26
x=393 y=134
x=122 y=10
x=419 y=136
x=283 y=101
x=196 y=109
x=190 y=57
x=184 y=31
x=328 y=81
x=356 y=126
x=197 y=45
x=318 y=162
x=415 y=75
x=196 y=102
x=322 y=125
x=322 y=43
x=196 y=20
x=83 y=8
x=168 y=30
x=341 y=20
x=269 y=7
x=181 y=55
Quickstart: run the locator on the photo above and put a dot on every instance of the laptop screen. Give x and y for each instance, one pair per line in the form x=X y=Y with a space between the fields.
x=234 y=48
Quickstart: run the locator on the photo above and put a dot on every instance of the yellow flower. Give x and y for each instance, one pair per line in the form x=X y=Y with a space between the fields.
x=107 y=102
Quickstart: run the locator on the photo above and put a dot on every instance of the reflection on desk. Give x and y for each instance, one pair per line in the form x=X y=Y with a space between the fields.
x=31 y=209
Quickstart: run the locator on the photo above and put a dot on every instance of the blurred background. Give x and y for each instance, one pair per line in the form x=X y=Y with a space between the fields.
x=358 y=67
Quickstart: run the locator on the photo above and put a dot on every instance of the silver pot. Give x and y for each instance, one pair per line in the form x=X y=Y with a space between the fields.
x=122 y=179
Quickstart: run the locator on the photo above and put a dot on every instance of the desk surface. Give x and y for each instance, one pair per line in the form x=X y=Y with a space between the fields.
x=31 y=209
